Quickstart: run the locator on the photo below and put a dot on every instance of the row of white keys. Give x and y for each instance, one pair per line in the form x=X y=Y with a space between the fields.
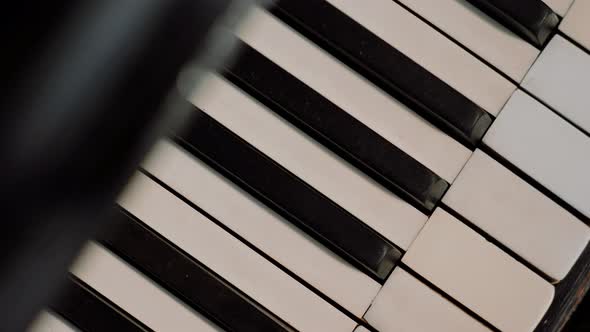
x=576 y=25
x=50 y=322
x=352 y=93
x=230 y=259
x=370 y=202
x=431 y=50
x=518 y=216
x=473 y=271
x=135 y=293
x=261 y=227
x=406 y=304
x=478 y=274
x=560 y=77
x=545 y=147
x=480 y=33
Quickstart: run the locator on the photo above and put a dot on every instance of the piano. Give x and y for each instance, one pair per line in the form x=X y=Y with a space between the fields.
x=376 y=165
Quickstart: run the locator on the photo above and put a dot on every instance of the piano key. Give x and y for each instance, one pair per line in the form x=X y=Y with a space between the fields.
x=518 y=216
x=48 y=322
x=436 y=53
x=545 y=147
x=406 y=304
x=312 y=165
x=386 y=67
x=288 y=245
x=532 y=20
x=353 y=93
x=85 y=309
x=479 y=33
x=187 y=279
x=559 y=6
x=336 y=129
x=229 y=258
x=479 y=275
x=560 y=78
x=575 y=24
x=136 y=294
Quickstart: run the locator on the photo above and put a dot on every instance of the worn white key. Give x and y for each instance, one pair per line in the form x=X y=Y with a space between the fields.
x=545 y=147
x=262 y=227
x=560 y=77
x=560 y=7
x=49 y=322
x=230 y=258
x=436 y=53
x=479 y=33
x=479 y=275
x=406 y=304
x=309 y=160
x=135 y=293
x=576 y=25
x=518 y=216
x=361 y=329
x=353 y=93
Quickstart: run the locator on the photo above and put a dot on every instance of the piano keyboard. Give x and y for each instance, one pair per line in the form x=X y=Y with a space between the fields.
x=406 y=165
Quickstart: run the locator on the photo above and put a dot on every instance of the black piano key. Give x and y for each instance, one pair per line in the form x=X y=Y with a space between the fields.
x=289 y=196
x=387 y=67
x=533 y=20
x=341 y=132
x=186 y=278
x=84 y=308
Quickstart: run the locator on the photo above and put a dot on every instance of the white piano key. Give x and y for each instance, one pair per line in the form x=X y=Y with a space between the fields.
x=576 y=25
x=352 y=93
x=545 y=147
x=560 y=77
x=372 y=203
x=436 y=53
x=49 y=322
x=230 y=258
x=265 y=229
x=406 y=304
x=361 y=329
x=135 y=293
x=479 y=275
x=479 y=33
x=518 y=216
x=560 y=7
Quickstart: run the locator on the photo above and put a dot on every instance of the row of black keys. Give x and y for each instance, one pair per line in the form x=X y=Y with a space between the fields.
x=312 y=211
x=321 y=119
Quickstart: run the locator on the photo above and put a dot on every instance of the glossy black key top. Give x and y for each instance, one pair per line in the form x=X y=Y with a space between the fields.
x=533 y=20
x=335 y=128
x=186 y=278
x=387 y=67
x=289 y=196
x=84 y=308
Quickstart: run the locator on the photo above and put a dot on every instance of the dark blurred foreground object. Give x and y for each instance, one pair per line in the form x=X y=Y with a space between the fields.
x=84 y=94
